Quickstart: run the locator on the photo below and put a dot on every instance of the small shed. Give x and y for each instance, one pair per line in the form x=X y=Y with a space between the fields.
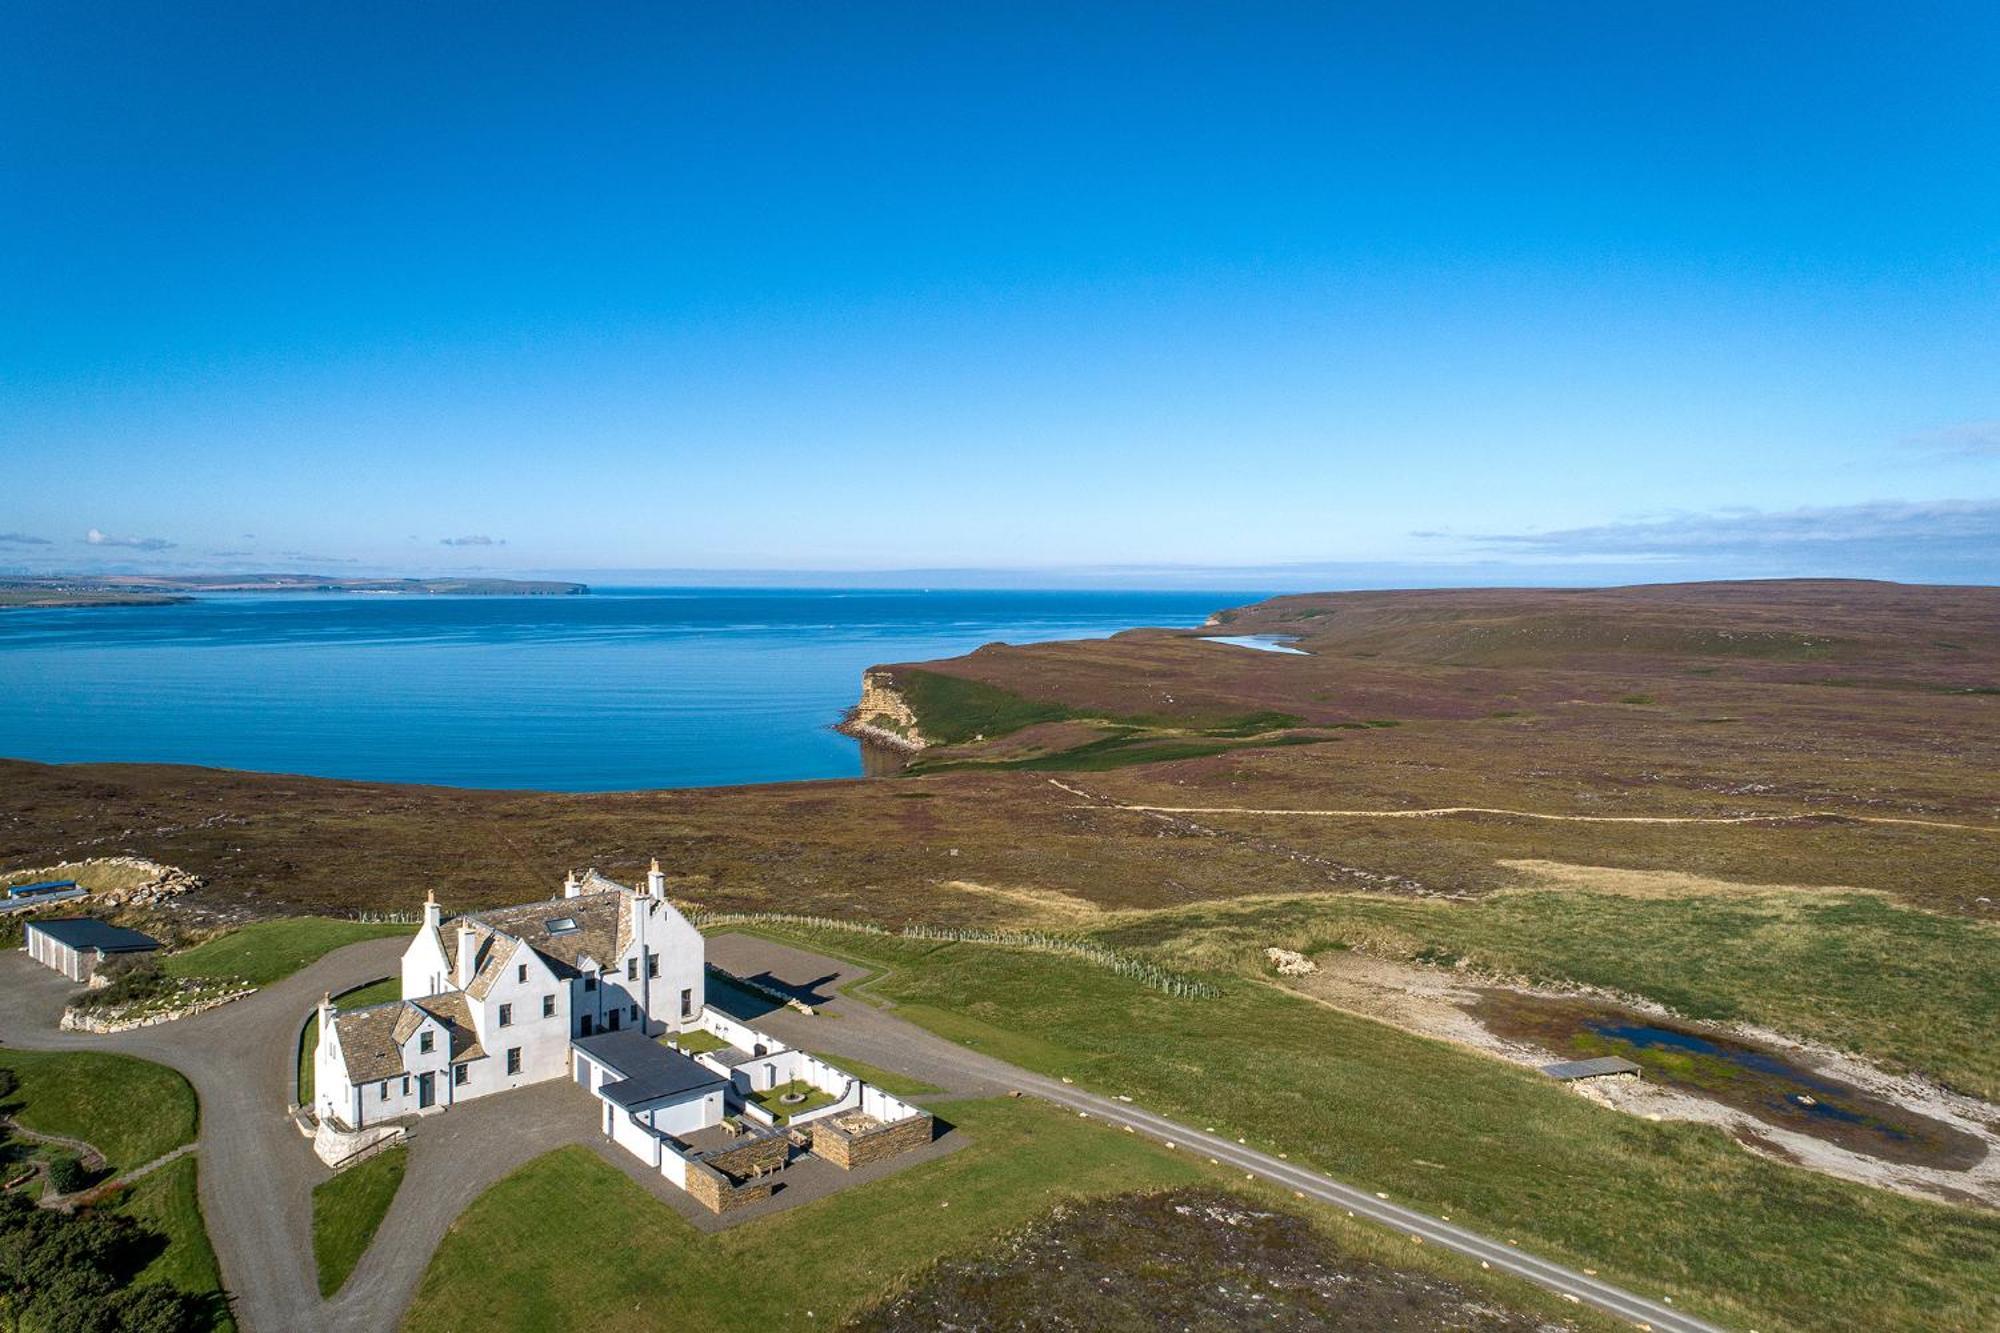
x=76 y=945
x=25 y=897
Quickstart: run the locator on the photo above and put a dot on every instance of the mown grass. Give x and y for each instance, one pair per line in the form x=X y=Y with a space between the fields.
x=130 y=1110
x=1669 y=1209
x=896 y=1085
x=647 y=1269
x=168 y=1201
x=269 y=951
x=347 y=1210
x=1914 y=990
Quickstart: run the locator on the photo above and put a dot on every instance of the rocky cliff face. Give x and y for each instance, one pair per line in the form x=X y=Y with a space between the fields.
x=883 y=715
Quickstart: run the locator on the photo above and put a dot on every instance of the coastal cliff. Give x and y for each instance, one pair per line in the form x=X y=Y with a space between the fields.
x=883 y=716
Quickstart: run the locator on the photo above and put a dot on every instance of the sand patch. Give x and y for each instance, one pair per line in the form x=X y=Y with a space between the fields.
x=1044 y=904
x=1660 y=884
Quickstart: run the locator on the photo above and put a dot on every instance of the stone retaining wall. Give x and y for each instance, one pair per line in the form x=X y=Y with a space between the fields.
x=848 y=1149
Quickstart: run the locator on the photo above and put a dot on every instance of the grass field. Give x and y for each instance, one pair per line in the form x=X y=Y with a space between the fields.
x=130 y=1110
x=346 y=1211
x=375 y=992
x=168 y=1201
x=1670 y=1209
x=808 y=1268
x=268 y=951
x=1912 y=990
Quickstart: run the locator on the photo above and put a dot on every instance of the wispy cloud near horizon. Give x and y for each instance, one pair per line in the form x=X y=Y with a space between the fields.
x=477 y=539
x=1965 y=439
x=96 y=537
x=22 y=539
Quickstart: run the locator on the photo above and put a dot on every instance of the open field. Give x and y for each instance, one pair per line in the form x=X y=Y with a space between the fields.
x=1495 y=1147
x=130 y=1110
x=812 y=1266
x=266 y=951
x=346 y=1211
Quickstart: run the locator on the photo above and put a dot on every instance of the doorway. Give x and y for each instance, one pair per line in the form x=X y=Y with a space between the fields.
x=426 y=1091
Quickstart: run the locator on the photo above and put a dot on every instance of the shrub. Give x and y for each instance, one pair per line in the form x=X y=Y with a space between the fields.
x=66 y=1174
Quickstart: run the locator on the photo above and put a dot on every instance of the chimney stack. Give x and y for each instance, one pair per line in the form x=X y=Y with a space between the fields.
x=570 y=885
x=431 y=910
x=468 y=952
x=656 y=883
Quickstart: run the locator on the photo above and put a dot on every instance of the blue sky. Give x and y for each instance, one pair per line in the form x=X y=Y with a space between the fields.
x=1250 y=294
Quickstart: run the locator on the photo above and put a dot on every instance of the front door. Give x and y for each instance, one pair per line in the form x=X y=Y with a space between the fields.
x=426 y=1091
x=612 y=1021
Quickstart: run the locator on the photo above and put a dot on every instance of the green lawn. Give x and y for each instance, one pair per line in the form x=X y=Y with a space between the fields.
x=168 y=1202
x=1668 y=1209
x=696 y=1040
x=646 y=1268
x=896 y=1085
x=130 y=1110
x=269 y=951
x=375 y=992
x=771 y=1099
x=346 y=1211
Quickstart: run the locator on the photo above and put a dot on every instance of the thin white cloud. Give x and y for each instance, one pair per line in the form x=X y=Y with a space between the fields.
x=21 y=539
x=476 y=539
x=1966 y=439
x=95 y=537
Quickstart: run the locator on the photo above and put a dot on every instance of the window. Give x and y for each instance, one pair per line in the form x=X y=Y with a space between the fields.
x=506 y=1015
x=635 y=1013
x=562 y=925
x=513 y=1059
x=385 y=1089
x=590 y=981
x=459 y=1075
x=548 y=1006
x=521 y=974
x=406 y=1085
x=652 y=965
x=631 y=969
x=687 y=1003
x=427 y=1042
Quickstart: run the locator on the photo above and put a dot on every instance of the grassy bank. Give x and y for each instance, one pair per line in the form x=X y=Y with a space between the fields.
x=647 y=1269
x=1669 y=1209
x=130 y=1110
x=347 y=1210
x=168 y=1202
x=269 y=951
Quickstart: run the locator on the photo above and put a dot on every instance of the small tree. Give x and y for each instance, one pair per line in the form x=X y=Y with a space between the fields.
x=66 y=1174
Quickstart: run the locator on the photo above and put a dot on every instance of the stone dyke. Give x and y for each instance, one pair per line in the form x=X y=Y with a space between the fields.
x=118 y=1020
x=883 y=716
x=851 y=1139
x=733 y=1178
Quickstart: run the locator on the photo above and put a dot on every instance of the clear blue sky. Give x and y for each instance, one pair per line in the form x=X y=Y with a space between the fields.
x=1330 y=294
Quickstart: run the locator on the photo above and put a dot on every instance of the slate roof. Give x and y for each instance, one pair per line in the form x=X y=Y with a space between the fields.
x=451 y=1010
x=83 y=932
x=368 y=1040
x=499 y=950
x=603 y=930
x=650 y=1071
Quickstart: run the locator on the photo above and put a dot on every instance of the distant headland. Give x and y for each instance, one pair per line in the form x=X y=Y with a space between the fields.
x=160 y=590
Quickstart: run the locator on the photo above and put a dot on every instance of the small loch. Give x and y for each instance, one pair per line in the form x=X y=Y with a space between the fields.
x=1263 y=643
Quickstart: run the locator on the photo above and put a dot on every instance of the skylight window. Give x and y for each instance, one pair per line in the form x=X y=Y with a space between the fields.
x=562 y=925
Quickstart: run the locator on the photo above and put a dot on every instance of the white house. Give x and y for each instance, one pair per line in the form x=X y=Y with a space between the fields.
x=491 y=1000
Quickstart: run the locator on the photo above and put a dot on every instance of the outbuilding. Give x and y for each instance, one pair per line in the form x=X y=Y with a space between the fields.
x=75 y=946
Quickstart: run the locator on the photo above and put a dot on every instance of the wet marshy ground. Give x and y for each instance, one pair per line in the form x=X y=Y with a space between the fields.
x=1776 y=1089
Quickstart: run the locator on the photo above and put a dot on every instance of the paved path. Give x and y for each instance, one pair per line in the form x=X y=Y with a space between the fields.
x=258 y=1172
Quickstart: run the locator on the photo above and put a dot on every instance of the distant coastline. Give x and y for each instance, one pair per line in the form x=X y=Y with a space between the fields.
x=165 y=590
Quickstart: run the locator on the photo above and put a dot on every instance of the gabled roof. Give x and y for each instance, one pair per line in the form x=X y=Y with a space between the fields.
x=451 y=1010
x=83 y=932
x=368 y=1040
x=565 y=931
x=499 y=950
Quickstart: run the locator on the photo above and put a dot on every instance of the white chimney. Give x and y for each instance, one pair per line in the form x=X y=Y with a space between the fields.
x=431 y=910
x=570 y=885
x=656 y=882
x=468 y=954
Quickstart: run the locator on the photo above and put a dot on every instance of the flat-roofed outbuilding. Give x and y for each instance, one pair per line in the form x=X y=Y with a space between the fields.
x=75 y=946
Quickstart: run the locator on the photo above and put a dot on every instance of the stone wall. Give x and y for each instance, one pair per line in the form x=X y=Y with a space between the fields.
x=847 y=1148
x=763 y=1154
x=719 y=1194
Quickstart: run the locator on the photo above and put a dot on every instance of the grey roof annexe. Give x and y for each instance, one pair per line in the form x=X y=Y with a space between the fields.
x=649 y=1071
x=83 y=932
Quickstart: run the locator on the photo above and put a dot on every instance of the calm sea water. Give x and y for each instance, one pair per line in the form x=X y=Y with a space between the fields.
x=624 y=688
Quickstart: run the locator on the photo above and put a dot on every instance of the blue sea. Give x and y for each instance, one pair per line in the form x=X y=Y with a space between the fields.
x=624 y=688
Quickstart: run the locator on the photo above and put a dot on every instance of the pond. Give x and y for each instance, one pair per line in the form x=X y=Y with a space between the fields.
x=1263 y=643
